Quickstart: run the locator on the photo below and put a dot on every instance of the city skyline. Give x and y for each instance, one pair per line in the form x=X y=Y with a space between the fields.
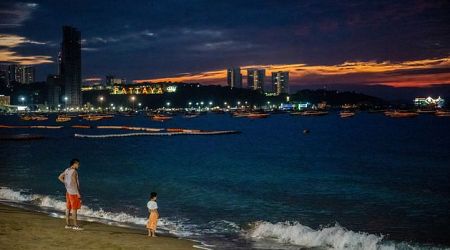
x=402 y=44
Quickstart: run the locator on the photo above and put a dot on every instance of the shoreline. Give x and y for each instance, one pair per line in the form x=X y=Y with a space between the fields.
x=27 y=229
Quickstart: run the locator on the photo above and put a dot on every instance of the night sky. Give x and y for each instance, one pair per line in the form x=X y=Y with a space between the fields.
x=395 y=43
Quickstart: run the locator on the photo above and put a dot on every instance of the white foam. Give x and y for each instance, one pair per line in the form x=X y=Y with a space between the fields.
x=335 y=237
x=52 y=203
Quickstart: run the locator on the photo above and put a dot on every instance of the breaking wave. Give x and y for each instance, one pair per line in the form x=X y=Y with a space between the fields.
x=335 y=237
x=44 y=201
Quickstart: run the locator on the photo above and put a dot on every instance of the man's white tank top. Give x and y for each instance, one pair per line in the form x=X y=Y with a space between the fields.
x=71 y=185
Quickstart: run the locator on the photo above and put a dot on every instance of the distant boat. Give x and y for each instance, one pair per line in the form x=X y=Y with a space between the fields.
x=426 y=111
x=161 y=118
x=347 y=114
x=400 y=114
x=33 y=118
x=191 y=115
x=63 y=118
x=250 y=115
x=310 y=113
x=257 y=115
x=96 y=117
x=442 y=113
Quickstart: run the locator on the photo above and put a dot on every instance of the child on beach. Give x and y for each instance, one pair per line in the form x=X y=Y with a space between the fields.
x=153 y=217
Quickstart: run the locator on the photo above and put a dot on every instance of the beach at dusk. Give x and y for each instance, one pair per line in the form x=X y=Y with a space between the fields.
x=216 y=125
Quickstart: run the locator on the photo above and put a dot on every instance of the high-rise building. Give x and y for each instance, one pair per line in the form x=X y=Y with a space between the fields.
x=4 y=77
x=280 y=82
x=234 y=78
x=54 y=86
x=70 y=66
x=19 y=73
x=255 y=79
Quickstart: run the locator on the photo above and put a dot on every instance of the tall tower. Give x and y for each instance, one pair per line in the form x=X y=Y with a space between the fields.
x=234 y=78
x=280 y=82
x=71 y=66
x=255 y=79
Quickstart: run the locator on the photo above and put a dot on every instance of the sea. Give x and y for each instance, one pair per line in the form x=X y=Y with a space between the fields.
x=367 y=182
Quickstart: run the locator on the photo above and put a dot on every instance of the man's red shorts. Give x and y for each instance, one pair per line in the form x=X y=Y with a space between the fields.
x=72 y=201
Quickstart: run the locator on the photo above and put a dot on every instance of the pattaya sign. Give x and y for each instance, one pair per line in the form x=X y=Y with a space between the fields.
x=143 y=90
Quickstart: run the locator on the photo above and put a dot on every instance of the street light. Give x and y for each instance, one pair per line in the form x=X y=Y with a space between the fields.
x=133 y=98
x=168 y=104
x=210 y=103
x=101 y=101
x=22 y=100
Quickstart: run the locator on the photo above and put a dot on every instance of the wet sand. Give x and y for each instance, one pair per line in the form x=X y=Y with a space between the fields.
x=23 y=229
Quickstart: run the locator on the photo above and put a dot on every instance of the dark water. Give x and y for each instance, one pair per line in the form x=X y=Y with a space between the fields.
x=369 y=174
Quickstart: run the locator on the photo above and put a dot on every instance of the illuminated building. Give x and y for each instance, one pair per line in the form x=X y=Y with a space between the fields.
x=255 y=79
x=17 y=73
x=280 y=82
x=70 y=66
x=429 y=102
x=234 y=78
x=112 y=80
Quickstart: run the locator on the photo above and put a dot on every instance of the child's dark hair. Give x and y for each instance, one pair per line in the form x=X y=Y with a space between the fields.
x=153 y=195
x=73 y=161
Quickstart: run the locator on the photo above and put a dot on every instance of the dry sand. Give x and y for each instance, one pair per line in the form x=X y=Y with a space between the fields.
x=23 y=229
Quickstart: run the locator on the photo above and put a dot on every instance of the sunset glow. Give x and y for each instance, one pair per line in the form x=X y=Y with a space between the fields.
x=396 y=74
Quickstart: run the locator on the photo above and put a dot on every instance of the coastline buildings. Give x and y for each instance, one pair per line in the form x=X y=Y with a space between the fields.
x=255 y=79
x=9 y=73
x=234 y=78
x=429 y=102
x=280 y=82
x=70 y=66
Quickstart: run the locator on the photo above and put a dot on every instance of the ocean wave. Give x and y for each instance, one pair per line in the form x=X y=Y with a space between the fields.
x=335 y=237
x=45 y=201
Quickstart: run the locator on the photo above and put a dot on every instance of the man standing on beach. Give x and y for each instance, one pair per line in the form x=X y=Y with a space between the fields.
x=73 y=198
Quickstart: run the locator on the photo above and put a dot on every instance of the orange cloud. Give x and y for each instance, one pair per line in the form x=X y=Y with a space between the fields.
x=362 y=72
x=9 y=42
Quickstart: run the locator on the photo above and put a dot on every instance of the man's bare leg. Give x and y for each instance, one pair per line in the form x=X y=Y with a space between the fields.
x=74 y=214
x=67 y=217
x=149 y=232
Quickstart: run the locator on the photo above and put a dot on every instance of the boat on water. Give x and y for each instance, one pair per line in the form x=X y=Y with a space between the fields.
x=63 y=118
x=96 y=117
x=400 y=114
x=160 y=118
x=426 y=111
x=346 y=114
x=93 y=118
x=310 y=113
x=33 y=118
x=257 y=115
x=442 y=113
x=191 y=115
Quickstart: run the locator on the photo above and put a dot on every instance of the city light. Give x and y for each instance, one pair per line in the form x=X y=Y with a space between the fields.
x=210 y=103
x=168 y=104
x=190 y=103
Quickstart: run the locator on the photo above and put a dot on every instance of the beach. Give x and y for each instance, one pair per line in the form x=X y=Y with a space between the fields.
x=24 y=229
